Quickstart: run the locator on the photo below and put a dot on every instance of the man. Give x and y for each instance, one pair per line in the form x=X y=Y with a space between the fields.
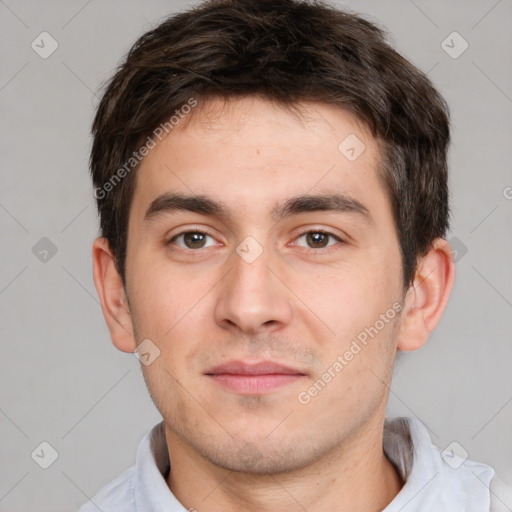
x=271 y=180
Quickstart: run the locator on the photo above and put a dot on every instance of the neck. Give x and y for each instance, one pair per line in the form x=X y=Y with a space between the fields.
x=355 y=476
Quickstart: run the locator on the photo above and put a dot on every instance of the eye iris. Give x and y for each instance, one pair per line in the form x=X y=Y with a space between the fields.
x=317 y=239
x=194 y=240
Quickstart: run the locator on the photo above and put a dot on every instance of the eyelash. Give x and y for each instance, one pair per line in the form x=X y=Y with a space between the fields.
x=306 y=249
x=190 y=231
x=323 y=232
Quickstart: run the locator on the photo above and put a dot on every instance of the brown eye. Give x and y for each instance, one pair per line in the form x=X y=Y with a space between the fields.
x=192 y=240
x=317 y=239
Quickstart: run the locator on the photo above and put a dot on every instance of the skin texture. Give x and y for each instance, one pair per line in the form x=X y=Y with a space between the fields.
x=299 y=305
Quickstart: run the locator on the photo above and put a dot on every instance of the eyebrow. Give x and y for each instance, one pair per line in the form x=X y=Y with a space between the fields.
x=168 y=203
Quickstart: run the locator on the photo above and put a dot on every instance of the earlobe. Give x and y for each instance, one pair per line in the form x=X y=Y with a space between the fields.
x=427 y=297
x=112 y=296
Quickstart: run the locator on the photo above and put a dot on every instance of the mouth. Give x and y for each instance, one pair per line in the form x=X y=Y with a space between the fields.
x=253 y=377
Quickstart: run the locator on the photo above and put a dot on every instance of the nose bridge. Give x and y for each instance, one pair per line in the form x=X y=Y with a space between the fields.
x=251 y=297
x=251 y=274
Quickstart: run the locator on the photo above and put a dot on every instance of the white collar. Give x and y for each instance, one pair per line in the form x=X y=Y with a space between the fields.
x=431 y=484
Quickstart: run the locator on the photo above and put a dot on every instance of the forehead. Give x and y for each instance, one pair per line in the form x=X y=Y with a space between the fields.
x=252 y=153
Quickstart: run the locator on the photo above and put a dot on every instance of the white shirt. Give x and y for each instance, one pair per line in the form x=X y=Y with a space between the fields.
x=433 y=482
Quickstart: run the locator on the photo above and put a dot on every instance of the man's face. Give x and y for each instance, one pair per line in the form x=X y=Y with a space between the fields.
x=266 y=275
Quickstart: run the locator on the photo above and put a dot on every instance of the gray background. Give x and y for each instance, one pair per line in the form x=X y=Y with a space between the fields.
x=61 y=379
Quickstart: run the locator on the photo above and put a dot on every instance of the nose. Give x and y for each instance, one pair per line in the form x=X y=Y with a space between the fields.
x=252 y=298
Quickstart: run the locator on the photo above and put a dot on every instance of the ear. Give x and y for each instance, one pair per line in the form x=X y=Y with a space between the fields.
x=113 y=300
x=427 y=297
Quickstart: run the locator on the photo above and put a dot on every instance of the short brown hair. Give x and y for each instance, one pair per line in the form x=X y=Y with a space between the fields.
x=286 y=51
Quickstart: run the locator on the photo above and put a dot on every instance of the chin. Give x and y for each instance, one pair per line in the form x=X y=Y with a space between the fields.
x=261 y=456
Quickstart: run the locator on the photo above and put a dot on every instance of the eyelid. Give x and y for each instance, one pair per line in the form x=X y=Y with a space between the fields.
x=185 y=231
x=302 y=232
x=326 y=231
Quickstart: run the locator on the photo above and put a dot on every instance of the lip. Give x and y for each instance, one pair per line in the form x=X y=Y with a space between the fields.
x=253 y=368
x=253 y=377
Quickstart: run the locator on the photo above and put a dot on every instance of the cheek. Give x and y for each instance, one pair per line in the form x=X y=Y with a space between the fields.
x=358 y=316
x=358 y=370
x=165 y=296
x=351 y=298
x=173 y=311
